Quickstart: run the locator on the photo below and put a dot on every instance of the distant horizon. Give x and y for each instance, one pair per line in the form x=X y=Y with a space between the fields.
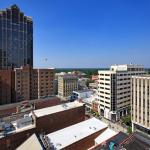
x=86 y=68
x=74 y=34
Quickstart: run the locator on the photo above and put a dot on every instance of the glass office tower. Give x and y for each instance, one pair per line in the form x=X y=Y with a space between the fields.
x=16 y=38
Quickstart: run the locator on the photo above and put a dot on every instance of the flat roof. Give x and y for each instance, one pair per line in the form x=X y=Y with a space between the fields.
x=7 y=106
x=69 y=135
x=107 y=134
x=144 y=76
x=57 y=108
x=83 y=91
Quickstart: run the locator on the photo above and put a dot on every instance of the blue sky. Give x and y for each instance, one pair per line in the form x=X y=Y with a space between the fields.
x=88 y=33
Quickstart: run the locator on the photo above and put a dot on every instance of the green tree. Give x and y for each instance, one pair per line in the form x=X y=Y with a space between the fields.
x=129 y=130
x=96 y=114
x=127 y=120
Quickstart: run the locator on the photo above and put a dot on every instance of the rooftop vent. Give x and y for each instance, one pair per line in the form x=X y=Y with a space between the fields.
x=58 y=144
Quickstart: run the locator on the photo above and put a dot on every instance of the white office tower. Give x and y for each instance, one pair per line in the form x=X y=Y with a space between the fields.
x=114 y=90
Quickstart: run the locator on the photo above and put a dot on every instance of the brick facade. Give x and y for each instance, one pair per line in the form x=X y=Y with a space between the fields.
x=7 y=87
x=12 y=141
x=54 y=122
x=46 y=124
x=7 y=110
x=85 y=143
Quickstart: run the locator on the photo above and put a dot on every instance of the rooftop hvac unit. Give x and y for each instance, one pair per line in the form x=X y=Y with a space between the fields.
x=24 y=121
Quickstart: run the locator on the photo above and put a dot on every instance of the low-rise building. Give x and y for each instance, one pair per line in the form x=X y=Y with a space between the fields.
x=89 y=97
x=27 y=106
x=93 y=85
x=80 y=136
x=94 y=77
x=59 y=116
x=81 y=94
x=82 y=83
x=46 y=120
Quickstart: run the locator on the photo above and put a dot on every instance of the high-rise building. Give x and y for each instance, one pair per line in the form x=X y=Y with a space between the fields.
x=33 y=83
x=7 y=87
x=26 y=83
x=66 y=85
x=140 y=104
x=114 y=88
x=16 y=38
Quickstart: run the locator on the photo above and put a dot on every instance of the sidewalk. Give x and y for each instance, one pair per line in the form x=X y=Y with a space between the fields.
x=115 y=126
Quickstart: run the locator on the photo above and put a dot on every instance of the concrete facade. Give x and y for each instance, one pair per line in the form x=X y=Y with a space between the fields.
x=114 y=88
x=66 y=85
x=140 y=104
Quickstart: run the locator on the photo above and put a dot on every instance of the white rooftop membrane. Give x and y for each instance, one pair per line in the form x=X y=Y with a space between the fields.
x=57 y=108
x=107 y=134
x=67 y=136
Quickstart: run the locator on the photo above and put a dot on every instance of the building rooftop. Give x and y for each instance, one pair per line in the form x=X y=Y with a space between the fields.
x=111 y=142
x=107 y=134
x=83 y=91
x=6 y=106
x=136 y=141
x=67 y=136
x=147 y=76
x=57 y=108
x=31 y=143
x=68 y=76
x=16 y=126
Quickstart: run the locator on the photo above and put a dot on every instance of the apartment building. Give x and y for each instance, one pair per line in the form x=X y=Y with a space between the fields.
x=33 y=83
x=45 y=82
x=26 y=83
x=114 y=86
x=140 y=104
x=66 y=85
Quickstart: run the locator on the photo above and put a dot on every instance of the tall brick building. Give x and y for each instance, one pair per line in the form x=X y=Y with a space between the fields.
x=7 y=92
x=33 y=83
x=25 y=83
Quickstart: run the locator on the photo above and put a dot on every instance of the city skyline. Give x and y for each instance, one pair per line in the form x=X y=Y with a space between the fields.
x=88 y=34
